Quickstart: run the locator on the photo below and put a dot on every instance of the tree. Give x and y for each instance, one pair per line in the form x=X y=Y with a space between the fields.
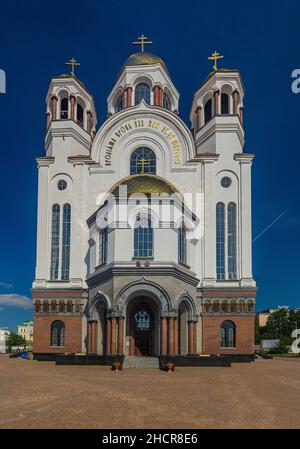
x=15 y=340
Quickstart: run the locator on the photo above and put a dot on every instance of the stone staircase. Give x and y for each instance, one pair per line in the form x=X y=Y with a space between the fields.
x=141 y=362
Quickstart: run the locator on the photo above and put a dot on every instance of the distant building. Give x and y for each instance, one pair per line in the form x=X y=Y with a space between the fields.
x=25 y=330
x=4 y=334
x=262 y=317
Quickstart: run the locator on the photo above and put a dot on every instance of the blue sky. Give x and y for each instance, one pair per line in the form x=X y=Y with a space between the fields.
x=37 y=38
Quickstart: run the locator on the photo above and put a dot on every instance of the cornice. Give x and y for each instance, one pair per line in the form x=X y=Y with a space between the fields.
x=44 y=161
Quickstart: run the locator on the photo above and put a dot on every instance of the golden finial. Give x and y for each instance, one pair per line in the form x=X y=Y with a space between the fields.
x=142 y=40
x=74 y=64
x=214 y=57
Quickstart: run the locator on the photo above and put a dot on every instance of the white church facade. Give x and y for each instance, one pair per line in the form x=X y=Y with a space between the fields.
x=144 y=224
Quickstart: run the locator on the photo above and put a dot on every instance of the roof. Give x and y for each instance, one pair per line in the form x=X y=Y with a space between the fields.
x=145 y=184
x=143 y=58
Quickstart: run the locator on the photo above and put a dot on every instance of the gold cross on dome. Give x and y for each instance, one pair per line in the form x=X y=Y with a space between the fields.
x=142 y=163
x=142 y=40
x=214 y=57
x=74 y=64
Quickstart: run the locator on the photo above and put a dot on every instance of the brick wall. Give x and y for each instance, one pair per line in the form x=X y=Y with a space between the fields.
x=42 y=331
x=244 y=334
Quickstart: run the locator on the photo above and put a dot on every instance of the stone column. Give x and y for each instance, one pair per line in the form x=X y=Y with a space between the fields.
x=171 y=336
x=108 y=336
x=235 y=96
x=72 y=107
x=89 y=332
x=216 y=102
x=164 y=337
x=157 y=93
x=195 y=337
x=48 y=119
x=191 y=337
x=94 y=337
x=54 y=100
x=128 y=97
x=175 y=336
x=241 y=115
x=113 y=335
x=89 y=116
x=121 y=335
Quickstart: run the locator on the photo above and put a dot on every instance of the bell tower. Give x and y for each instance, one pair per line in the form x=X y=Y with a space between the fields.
x=217 y=112
x=71 y=116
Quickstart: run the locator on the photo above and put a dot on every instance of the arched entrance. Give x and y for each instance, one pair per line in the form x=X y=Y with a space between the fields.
x=142 y=327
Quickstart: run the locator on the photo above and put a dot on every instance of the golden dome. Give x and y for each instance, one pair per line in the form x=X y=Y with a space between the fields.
x=145 y=184
x=143 y=58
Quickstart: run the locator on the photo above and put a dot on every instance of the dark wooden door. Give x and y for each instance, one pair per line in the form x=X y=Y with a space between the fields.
x=142 y=342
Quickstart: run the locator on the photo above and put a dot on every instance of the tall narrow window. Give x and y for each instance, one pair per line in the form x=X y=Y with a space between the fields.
x=227 y=334
x=220 y=240
x=143 y=237
x=208 y=111
x=231 y=241
x=65 y=268
x=80 y=115
x=182 y=245
x=143 y=160
x=64 y=108
x=57 y=334
x=224 y=104
x=103 y=245
x=119 y=104
x=142 y=92
x=55 y=242
x=166 y=102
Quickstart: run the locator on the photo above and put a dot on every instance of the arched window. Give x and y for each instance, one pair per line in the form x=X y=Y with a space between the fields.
x=80 y=115
x=37 y=306
x=53 y=306
x=227 y=334
x=142 y=319
x=65 y=268
x=103 y=245
x=166 y=102
x=208 y=111
x=143 y=237
x=55 y=242
x=231 y=242
x=64 y=108
x=220 y=240
x=119 y=104
x=57 y=334
x=143 y=160
x=46 y=307
x=224 y=104
x=182 y=245
x=142 y=91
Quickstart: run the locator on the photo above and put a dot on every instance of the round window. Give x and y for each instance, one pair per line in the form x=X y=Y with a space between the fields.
x=62 y=185
x=226 y=182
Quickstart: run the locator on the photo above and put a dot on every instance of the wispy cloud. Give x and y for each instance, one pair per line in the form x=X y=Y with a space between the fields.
x=5 y=285
x=14 y=300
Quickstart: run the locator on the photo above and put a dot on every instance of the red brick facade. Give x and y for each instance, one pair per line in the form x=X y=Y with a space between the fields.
x=42 y=334
x=244 y=334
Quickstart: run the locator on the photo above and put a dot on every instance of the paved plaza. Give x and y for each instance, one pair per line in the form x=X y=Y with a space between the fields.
x=263 y=394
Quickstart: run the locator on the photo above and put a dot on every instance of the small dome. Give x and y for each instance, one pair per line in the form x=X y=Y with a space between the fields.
x=145 y=184
x=143 y=58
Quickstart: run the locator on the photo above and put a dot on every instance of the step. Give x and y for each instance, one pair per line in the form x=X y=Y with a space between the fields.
x=141 y=362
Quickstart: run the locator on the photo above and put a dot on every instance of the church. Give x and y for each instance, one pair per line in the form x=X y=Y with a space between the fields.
x=144 y=222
